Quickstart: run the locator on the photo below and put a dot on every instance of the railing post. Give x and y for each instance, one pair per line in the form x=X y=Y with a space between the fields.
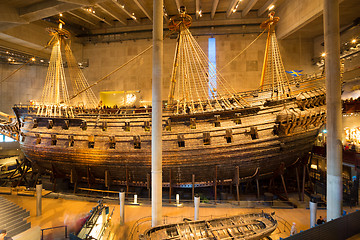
x=65 y=231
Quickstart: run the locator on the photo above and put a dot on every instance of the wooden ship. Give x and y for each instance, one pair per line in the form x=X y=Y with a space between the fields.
x=212 y=134
x=252 y=226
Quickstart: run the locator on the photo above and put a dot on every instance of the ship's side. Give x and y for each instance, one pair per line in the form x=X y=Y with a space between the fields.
x=208 y=146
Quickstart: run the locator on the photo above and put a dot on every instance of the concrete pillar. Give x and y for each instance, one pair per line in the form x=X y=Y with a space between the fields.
x=135 y=199
x=333 y=102
x=38 y=199
x=156 y=140
x=197 y=206
x=177 y=199
x=122 y=207
x=313 y=209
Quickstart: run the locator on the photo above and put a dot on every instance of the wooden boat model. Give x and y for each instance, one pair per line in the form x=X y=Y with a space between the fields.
x=212 y=134
x=247 y=227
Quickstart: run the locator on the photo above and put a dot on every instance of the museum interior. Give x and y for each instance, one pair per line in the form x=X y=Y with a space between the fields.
x=179 y=119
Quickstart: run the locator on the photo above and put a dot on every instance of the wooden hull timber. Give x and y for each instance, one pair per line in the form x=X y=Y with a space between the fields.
x=248 y=227
x=118 y=143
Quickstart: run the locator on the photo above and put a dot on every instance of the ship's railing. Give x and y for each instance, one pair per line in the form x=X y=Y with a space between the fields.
x=52 y=230
x=10 y=129
x=285 y=224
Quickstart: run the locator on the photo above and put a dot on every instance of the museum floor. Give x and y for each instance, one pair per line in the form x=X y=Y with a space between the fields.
x=58 y=211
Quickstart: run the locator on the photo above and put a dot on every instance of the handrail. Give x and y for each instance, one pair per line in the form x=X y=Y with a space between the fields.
x=51 y=228
x=284 y=222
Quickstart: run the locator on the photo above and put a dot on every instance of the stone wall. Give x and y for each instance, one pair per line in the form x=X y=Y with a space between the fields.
x=243 y=73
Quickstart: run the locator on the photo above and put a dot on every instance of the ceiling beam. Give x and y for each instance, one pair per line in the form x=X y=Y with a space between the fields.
x=123 y=21
x=45 y=9
x=213 y=8
x=248 y=7
x=179 y=3
x=141 y=5
x=165 y=14
x=84 y=19
x=83 y=2
x=231 y=7
x=265 y=7
x=122 y=7
x=197 y=7
x=96 y=16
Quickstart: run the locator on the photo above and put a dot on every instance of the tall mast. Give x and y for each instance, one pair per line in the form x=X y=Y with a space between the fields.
x=193 y=88
x=273 y=71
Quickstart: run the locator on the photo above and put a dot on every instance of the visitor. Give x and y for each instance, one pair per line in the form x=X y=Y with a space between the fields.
x=320 y=221
x=293 y=230
x=3 y=235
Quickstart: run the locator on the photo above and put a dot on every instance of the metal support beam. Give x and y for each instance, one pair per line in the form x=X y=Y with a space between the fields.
x=170 y=184
x=248 y=7
x=237 y=184
x=141 y=5
x=156 y=134
x=123 y=21
x=193 y=186
x=213 y=8
x=333 y=105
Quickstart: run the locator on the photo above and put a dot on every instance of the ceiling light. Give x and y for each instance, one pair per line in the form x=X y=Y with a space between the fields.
x=234 y=10
x=9 y=59
x=93 y=11
x=272 y=6
x=60 y=14
x=123 y=6
x=33 y=59
x=41 y=60
x=353 y=41
x=323 y=54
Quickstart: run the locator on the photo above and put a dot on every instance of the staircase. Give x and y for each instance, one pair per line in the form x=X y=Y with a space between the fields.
x=13 y=218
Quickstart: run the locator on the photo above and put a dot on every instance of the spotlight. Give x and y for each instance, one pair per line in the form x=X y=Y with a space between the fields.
x=60 y=14
x=353 y=41
x=323 y=54
x=33 y=59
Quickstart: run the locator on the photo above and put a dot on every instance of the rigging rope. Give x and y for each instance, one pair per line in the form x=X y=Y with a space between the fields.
x=242 y=50
x=112 y=72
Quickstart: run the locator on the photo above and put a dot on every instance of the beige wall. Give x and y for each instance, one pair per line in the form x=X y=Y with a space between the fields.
x=24 y=85
x=243 y=74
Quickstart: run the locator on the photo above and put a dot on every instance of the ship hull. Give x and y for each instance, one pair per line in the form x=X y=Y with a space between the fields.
x=209 y=149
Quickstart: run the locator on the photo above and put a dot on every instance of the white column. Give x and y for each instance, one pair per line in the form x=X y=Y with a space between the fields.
x=38 y=199
x=197 y=206
x=177 y=199
x=333 y=102
x=313 y=209
x=122 y=207
x=156 y=122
